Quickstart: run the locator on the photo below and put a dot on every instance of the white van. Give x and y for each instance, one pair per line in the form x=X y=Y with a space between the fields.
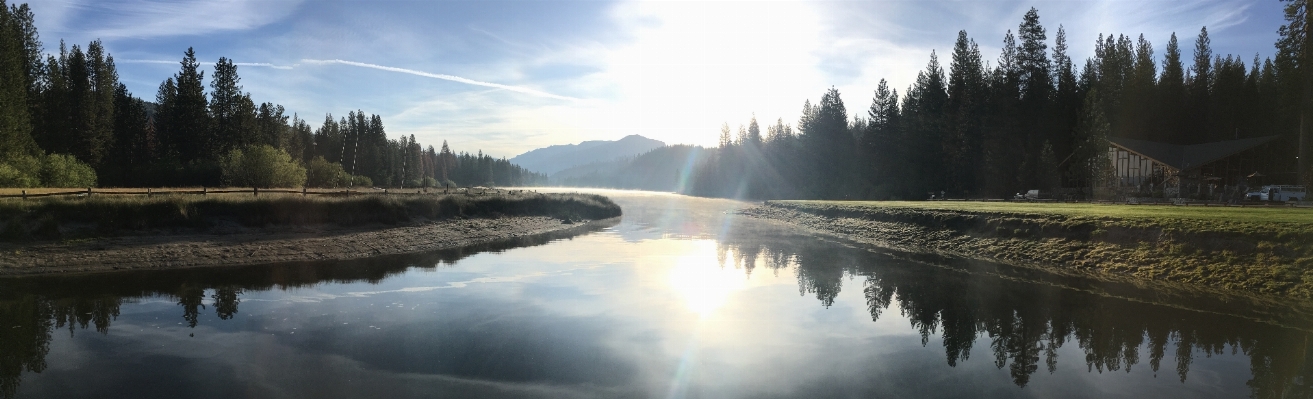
x=1279 y=193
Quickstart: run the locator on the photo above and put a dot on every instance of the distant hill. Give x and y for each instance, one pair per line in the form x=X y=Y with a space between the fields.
x=662 y=169
x=550 y=160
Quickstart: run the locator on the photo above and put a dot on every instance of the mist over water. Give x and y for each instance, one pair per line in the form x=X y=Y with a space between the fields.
x=679 y=299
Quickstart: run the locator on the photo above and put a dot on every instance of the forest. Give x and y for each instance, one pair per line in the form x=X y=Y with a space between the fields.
x=1033 y=119
x=67 y=121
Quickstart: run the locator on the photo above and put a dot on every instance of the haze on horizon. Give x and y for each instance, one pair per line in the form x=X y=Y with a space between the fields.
x=510 y=76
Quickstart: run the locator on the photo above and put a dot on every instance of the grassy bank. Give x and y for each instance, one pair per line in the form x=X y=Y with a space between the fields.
x=1266 y=251
x=65 y=218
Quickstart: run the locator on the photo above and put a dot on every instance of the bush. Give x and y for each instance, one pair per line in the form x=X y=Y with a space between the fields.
x=429 y=182
x=362 y=181
x=321 y=173
x=60 y=170
x=20 y=172
x=261 y=166
x=54 y=170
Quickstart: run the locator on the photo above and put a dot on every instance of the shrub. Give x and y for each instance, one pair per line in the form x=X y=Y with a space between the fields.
x=20 y=172
x=362 y=181
x=261 y=166
x=321 y=173
x=54 y=170
x=59 y=170
x=429 y=182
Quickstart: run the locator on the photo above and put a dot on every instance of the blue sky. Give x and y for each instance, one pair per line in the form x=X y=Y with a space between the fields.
x=510 y=76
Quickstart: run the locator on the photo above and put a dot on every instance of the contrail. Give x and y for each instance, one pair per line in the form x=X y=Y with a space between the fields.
x=254 y=64
x=452 y=78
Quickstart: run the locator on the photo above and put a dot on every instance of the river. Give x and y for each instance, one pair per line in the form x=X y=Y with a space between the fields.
x=679 y=299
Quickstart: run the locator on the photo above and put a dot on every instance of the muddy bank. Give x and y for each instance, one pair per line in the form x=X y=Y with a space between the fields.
x=1236 y=258
x=231 y=246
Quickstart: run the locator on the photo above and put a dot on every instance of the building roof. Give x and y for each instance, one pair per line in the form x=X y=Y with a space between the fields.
x=1185 y=157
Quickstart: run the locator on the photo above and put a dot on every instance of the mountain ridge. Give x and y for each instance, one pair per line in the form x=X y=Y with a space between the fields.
x=552 y=159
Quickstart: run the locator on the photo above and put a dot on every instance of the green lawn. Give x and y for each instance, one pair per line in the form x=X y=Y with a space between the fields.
x=1155 y=212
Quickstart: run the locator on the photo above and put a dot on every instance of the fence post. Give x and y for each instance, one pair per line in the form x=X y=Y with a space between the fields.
x=255 y=190
x=24 y=194
x=148 y=193
x=88 y=191
x=204 y=192
x=303 y=191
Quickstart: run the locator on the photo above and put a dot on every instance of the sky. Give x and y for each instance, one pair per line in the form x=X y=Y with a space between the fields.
x=506 y=77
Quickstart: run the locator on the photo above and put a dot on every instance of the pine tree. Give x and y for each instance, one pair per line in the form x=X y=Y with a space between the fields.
x=271 y=127
x=233 y=113
x=754 y=133
x=15 y=118
x=1295 y=60
x=133 y=144
x=166 y=97
x=189 y=119
x=1091 y=137
x=1067 y=99
x=329 y=142
x=103 y=80
x=1172 y=96
x=1199 y=85
x=966 y=88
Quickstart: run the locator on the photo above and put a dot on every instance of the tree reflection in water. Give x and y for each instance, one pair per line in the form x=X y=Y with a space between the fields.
x=1027 y=322
x=32 y=308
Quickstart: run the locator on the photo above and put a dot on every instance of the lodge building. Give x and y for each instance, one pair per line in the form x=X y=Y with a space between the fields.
x=1148 y=165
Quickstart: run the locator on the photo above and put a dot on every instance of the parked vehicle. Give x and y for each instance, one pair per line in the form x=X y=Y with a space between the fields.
x=1278 y=193
x=1032 y=195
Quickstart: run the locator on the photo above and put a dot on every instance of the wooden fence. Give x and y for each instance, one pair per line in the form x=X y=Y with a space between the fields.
x=149 y=192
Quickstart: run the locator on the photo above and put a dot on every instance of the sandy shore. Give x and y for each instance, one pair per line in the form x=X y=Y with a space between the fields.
x=234 y=245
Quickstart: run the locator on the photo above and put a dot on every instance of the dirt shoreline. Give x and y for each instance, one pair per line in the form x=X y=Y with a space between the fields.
x=233 y=245
x=1229 y=264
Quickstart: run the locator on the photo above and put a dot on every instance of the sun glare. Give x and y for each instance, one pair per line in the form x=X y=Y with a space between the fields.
x=704 y=284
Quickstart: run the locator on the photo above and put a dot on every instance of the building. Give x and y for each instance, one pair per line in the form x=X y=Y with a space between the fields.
x=1148 y=165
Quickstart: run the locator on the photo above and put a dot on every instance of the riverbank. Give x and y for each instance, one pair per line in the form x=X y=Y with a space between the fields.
x=88 y=235
x=1267 y=252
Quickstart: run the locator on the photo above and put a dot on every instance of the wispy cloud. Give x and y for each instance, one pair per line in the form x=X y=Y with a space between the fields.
x=446 y=77
x=148 y=18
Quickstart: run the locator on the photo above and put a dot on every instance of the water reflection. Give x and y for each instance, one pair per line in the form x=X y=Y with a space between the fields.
x=32 y=308
x=1027 y=323
x=705 y=305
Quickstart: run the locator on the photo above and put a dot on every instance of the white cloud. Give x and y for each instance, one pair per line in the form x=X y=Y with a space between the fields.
x=150 y=18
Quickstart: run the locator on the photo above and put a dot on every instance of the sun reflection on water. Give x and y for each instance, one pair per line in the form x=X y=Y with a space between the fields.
x=703 y=282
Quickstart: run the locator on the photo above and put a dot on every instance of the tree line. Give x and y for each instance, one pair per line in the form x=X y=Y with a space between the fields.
x=67 y=121
x=1032 y=119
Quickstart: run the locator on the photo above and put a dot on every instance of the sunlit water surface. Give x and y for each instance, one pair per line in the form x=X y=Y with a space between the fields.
x=680 y=299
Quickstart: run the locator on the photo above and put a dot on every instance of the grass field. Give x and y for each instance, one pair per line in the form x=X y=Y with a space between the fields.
x=1265 y=250
x=1214 y=213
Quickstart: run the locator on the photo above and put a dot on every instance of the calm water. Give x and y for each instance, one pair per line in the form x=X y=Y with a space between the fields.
x=677 y=300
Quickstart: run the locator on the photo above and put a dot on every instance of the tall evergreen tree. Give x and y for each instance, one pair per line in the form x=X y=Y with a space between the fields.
x=1295 y=59
x=233 y=114
x=1200 y=82
x=1172 y=95
x=882 y=144
x=1066 y=100
x=1036 y=86
x=189 y=118
x=15 y=118
x=966 y=91
x=103 y=79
